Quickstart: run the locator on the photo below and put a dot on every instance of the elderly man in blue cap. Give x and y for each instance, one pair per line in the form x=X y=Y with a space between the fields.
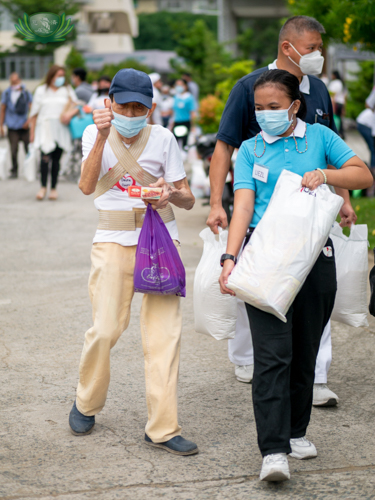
x=121 y=150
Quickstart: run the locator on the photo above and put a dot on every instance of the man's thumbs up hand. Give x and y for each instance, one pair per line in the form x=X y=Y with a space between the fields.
x=103 y=118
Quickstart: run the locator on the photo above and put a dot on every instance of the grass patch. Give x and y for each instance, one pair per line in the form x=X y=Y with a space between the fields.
x=365 y=210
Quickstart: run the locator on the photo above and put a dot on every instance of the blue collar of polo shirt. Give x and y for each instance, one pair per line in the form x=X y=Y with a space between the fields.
x=299 y=131
x=304 y=86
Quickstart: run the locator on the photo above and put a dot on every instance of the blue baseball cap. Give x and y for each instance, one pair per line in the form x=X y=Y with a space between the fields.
x=130 y=85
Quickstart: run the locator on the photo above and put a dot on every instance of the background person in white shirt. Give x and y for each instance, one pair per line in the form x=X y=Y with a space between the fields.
x=166 y=105
x=337 y=90
x=111 y=281
x=366 y=127
x=155 y=118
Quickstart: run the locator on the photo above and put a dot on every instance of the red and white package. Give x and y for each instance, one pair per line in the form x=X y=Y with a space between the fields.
x=148 y=193
x=134 y=191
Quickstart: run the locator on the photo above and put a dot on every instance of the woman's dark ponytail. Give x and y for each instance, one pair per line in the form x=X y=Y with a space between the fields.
x=287 y=82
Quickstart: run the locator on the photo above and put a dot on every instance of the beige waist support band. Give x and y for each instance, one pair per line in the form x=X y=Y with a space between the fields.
x=129 y=220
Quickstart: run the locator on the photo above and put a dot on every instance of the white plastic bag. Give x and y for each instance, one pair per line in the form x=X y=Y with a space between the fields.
x=285 y=245
x=215 y=314
x=30 y=164
x=199 y=182
x=4 y=163
x=352 y=271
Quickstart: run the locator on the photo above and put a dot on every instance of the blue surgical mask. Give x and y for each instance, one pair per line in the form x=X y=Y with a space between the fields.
x=60 y=80
x=274 y=122
x=129 y=126
x=179 y=89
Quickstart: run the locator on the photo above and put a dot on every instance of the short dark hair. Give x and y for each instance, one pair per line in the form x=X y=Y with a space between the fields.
x=105 y=78
x=284 y=81
x=81 y=73
x=298 y=25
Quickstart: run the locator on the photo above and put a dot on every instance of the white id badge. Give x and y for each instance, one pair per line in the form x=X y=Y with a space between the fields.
x=260 y=173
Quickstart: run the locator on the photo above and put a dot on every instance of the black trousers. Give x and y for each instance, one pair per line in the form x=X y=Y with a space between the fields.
x=285 y=356
x=15 y=136
x=54 y=159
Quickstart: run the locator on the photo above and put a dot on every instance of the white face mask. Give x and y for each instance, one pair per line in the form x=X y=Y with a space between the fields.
x=309 y=64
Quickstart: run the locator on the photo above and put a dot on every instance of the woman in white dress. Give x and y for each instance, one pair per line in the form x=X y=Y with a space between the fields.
x=49 y=130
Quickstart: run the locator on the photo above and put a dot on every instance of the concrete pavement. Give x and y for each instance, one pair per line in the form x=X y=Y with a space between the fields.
x=45 y=311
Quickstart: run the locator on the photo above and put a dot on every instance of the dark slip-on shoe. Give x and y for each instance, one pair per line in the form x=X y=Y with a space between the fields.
x=80 y=424
x=177 y=445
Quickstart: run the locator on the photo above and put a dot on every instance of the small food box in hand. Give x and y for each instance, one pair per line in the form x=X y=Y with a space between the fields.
x=146 y=193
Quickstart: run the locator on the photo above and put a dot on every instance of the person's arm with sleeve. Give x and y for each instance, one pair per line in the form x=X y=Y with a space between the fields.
x=36 y=106
x=3 y=109
x=73 y=110
x=233 y=123
x=346 y=171
x=26 y=125
x=192 y=109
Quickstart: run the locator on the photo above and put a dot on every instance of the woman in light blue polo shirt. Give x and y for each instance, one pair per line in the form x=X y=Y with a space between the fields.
x=184 y=107
x=285 y=353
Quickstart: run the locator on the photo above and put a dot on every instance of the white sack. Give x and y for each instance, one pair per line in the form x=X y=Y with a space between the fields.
x=215 y=314
x=352 y=272
x=4 y=163
x=285 y=245
x=199 y=182
x=30 y=164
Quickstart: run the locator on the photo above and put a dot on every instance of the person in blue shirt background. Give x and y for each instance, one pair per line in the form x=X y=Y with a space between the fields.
x=184 y=107
x=285 y=354
x=15 y=106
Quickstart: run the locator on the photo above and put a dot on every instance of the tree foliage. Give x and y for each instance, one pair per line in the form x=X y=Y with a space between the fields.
x=201 y=52
x=347 y=21
x=359 y=89
x=74 y=60
x=258 y=40
x=212 y=106
x=17 y=8
x=111 y=69
x=157 y=30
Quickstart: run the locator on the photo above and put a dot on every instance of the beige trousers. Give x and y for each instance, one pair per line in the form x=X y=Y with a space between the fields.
x=111 y=289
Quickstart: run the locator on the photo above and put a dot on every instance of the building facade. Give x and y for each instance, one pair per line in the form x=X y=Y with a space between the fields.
x=193 y=6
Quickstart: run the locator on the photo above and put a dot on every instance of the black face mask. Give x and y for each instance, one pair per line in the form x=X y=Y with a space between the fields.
x=103 y=91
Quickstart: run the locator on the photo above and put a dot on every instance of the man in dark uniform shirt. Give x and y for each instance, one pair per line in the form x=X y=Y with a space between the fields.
x=298 y=52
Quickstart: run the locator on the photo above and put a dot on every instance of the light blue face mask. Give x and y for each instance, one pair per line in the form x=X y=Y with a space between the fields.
x=274 y=122
x=179 y=89
x=129 y=126
x=60 y=80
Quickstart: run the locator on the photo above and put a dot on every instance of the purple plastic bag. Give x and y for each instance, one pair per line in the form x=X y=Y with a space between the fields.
x=158 y=266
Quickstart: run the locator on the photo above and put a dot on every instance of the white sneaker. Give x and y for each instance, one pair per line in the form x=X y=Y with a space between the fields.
x=322 y=396
x=275 y=467
x=244 y=373
x=302 y=449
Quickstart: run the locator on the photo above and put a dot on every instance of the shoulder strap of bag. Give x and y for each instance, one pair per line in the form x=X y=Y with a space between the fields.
x=127 y=162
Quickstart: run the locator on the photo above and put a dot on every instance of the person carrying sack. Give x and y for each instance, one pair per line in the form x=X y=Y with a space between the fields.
x=285 y=352
x=121 y=150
